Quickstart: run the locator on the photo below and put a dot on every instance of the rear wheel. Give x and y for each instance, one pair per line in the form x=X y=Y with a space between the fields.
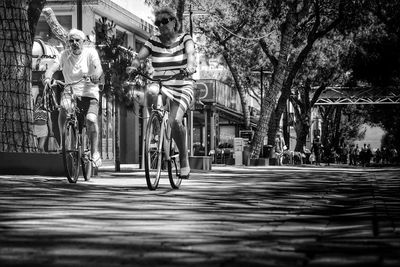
x=153 y=156
x=174 y=166
x=71 y=151
x=86 y=159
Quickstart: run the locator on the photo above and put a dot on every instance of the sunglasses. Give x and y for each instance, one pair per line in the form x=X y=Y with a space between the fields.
x=71 y=41
x=163 y=21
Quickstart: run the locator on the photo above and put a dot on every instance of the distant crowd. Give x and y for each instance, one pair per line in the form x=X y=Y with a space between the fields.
x=352 y=154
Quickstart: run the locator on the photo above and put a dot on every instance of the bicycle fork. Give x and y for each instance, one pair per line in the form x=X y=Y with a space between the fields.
x=165 y=139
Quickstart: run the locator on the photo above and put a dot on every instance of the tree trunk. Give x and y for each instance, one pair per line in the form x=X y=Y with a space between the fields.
x=180 y=9
x=16 y=117
x=34 y=10
x=240 y=89
x=55 y=26
x=336 y=126
x=302 y=130
x=236 y=79
x=269 y=100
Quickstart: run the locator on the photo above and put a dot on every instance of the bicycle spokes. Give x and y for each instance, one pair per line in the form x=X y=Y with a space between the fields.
x=71 y=152
x=174 y=166
x=86 y=159
x=153 y=151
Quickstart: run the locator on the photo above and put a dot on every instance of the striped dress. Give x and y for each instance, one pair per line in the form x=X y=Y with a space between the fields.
x=167 y=61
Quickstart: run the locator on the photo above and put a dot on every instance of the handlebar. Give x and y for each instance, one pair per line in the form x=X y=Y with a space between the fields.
x=127 y=50
x=182 y=73
x=64 y=84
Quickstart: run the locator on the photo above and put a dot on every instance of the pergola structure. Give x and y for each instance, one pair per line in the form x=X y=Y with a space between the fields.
x=359 y=95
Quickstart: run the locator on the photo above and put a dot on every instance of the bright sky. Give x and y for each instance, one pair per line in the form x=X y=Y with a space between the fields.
x=137 y=7
x=373 y=137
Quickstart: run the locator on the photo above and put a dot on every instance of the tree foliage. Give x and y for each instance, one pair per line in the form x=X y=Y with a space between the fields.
x=375 y=61
x=115 y=60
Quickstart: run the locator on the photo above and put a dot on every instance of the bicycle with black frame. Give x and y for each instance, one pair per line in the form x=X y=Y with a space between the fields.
x=76 y=145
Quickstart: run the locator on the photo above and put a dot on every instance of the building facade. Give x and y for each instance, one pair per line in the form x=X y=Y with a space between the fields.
x=213 y=123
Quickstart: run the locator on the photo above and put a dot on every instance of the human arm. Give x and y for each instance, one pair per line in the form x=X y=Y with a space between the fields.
x=191 y=57
x=143 y=54
x=50 y=124
x=48 y=75
x=96 y=69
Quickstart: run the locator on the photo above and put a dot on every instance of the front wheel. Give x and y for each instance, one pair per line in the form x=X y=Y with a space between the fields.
x=86 y=159
x=153 y=154
x=71 y=151
x=174 y=166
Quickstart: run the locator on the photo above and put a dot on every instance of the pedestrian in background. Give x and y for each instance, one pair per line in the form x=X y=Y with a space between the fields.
x=328 y=153
x=317 y=149
x=42 y=125
x=352 y=156
x=357 y=155
x=279 y=148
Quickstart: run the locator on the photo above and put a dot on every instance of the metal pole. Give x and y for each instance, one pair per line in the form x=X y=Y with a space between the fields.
x=189 y=127
x=205 y=137
x=262 y=96
x=261 y=81
x=79 y=14
x=190 y=20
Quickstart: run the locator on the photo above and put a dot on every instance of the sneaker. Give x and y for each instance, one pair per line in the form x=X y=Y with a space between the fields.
x=96 y=159
x=185 y=172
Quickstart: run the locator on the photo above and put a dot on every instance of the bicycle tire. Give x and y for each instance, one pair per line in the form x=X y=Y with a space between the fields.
x=71 y=151
x=174 y=166
x=86 y=157
x=153 y=155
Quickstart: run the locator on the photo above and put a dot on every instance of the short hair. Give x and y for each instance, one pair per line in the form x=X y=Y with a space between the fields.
x=80 y=33
x=171 y=13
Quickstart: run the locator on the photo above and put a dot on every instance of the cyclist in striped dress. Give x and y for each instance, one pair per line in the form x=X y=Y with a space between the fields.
x=170 y=52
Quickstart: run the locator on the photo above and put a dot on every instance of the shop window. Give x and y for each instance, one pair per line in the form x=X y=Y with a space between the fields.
x=227 y=135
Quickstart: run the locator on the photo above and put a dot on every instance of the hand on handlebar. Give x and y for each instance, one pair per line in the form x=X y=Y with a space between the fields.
x=91 y=78
x=131 y=69
x=46 y=82
x=94 y=79
x=185 y=73
x=182 y=74
x=134 y=66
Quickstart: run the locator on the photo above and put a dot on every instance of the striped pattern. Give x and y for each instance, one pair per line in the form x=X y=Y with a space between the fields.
x=40 y=115
x=169 y=60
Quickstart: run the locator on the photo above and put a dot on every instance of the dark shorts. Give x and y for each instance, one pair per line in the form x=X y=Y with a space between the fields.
x=86 y=105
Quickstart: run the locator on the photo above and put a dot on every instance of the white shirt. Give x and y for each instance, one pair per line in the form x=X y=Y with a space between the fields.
x=74 y=67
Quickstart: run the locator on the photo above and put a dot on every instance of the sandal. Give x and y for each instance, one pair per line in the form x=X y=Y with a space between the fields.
x=185 y=172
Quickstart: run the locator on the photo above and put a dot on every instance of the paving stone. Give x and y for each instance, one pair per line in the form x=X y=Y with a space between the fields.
x=230 y=216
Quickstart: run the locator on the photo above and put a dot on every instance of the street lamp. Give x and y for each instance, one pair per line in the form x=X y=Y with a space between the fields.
x=261 y=71
x=193 y=12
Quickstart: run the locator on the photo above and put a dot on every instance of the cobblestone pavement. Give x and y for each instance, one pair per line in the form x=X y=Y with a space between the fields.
x=229 y=216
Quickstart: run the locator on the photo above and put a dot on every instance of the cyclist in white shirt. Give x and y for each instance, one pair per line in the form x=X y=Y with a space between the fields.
x=78 y=62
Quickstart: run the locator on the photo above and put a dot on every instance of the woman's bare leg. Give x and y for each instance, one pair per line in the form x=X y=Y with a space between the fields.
x=178 y=132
